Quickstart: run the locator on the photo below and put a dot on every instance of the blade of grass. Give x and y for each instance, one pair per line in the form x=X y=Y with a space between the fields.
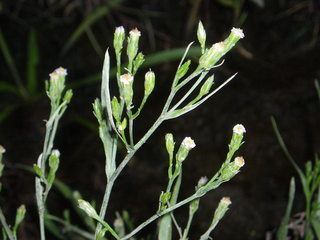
x=92 y=18
x=11 y=64
x=8 y=88
x=32 y=62
x=283 y=229
x=94 y=42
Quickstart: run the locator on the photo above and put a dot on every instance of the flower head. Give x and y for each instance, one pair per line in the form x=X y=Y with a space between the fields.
x=239 y=129
x=238 y=32
x=56 y=152
x=202 y=181
x=225 y=200
x=239 y=162
x=126 y=79
x=58 y=73
x=135 y=33
x=188 y=143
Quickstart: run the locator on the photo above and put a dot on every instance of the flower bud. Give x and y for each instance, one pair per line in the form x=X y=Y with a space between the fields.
x=222 y=208
x=115 y=106
x=205 y=89
x=133 y=42
x=149 y=82
x=54 y=160
x=201 y=34
x=239 y=129
x=118 y=39
x=126 y=81
x=202 y=181
x=212 y=55
x=138 y=61
x=21 y=212
x=88 y=209
x=170 y=144
x=186 y=145
x=183 y=69
x=239 y=162
x=97 y=110
x=68 y=95
x=123 y=125
x=56 y=84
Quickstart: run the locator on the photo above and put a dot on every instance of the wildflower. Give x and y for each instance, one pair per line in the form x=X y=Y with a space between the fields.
x=239 y=162
x=188 y=143
x=239 y=129
x=126 y=79
x=238 y=32
x=118 y=39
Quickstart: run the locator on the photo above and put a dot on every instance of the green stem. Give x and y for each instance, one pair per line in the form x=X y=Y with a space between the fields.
x=6 y=226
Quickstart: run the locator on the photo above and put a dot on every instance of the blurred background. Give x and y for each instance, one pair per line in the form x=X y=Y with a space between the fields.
x=277 y=63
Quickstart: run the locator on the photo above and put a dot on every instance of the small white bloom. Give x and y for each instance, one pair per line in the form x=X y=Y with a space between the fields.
x=225 y=200
x=239 y=129
x=126 y=79
x=202 y=181
x=56 y=152
x=135 y=33
x=239 y=161
x=2 y=149
x=218 y=47
x=56 y=74
x=188 y=143
x=119 y=30
x=238 y=32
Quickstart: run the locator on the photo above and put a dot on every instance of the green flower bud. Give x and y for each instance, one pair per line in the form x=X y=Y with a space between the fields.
x=21 y=212
x=88 y=209
x=37 y=170
x=97 y=110
x=118 y=39
x=68 y=95
x=123 y=125
x=231 y=169
x=183 y=69
x=138 y=61
x=222 y=208
x=54 y=160
x=56 y=84
x=115 y=106
x=201 y=34
x=186 y=145
x=205 y=89
x=149 y=82
x=170 y=144
x=126 y=81
x=133 y=42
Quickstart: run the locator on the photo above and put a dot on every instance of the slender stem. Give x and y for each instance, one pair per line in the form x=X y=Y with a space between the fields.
x=131 y=129
x=157 y=215
x=176 y=224
x=71 y=228
x=186 y=230
x=6 y=226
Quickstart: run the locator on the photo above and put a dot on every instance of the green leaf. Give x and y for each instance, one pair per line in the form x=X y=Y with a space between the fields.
x=283 y=229
x=32 y=62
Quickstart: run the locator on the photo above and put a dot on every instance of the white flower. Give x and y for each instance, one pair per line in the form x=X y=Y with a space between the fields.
x=238 y=32
x=119 y=30
x=2 y=149
x=135 y=33
x=202 y=181
x=225 y=200
x=239 y=129
x=56 y=74
x=239 y=161
x=56 y=152
x=188 y=143
x=218 y=47
x=126 y=79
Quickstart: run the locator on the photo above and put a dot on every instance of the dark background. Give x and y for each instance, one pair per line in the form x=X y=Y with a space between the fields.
x=277 y=62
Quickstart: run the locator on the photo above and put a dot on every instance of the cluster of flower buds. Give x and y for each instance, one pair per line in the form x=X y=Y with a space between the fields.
x=212 y=55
